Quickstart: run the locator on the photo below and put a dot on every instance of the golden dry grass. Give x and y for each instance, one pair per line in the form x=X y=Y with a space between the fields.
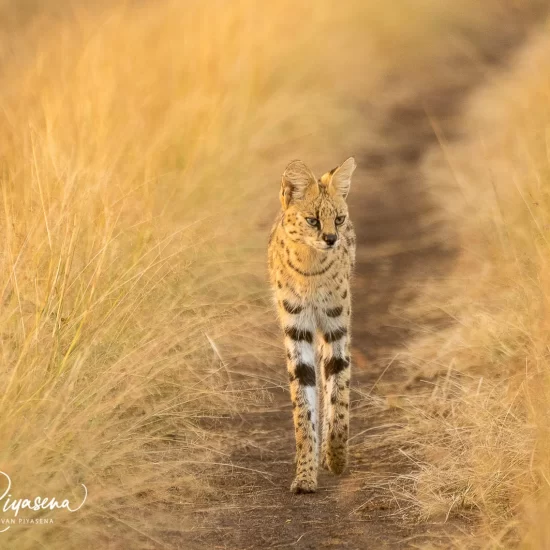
x=140 y=144
x=481 y=434
x=134 y=139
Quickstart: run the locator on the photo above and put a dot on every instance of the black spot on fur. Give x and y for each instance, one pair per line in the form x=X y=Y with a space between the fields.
x=334 y=312
x=335 y=335
x=306 y=375
x=292 y=308
x=344 y=294
x=299 y=334
x=335 y=365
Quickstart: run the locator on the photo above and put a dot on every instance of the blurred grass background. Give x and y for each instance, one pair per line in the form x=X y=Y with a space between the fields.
x=140 y=147
x=481 y=435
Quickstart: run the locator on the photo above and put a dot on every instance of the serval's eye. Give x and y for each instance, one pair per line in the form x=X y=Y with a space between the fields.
x=314 y=222
x=340 y=220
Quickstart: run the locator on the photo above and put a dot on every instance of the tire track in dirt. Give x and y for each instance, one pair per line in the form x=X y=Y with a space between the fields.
x=401 y=241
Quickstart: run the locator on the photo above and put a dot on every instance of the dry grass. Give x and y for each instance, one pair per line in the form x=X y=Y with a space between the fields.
x=481 y=434
x=134 y=138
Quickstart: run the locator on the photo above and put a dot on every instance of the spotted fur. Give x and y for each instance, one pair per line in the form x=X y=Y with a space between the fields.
x=311 y=256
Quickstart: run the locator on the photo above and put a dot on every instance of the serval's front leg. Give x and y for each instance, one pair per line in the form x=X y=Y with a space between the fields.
x=335 y=323
x=299 y=331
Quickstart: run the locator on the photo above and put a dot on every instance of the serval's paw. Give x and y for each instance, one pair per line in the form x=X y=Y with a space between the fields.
x=337 y=460
x=303 y=484
x=335 y=454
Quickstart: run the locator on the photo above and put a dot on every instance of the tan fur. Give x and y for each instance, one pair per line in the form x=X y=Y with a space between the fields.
x=310 y=280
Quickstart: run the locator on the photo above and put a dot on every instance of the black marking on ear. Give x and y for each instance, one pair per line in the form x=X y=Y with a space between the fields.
x=292 y=308
x=333 y=170
x=305 y=374
x=299 y=334
x=335 y=335
x=334 y=312
x=336 y=365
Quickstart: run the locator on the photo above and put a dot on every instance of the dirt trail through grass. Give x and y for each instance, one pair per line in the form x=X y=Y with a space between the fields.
x=401 y=242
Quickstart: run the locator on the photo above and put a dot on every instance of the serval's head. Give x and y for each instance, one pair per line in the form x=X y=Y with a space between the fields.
x=315 y=212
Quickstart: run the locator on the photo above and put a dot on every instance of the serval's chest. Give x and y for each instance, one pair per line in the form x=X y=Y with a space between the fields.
x=313 y=277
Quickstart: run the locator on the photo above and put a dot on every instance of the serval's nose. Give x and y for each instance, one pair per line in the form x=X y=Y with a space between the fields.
x=329 y=238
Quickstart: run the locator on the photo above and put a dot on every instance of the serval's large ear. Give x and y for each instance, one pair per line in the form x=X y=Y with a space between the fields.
x=296 y=179
x=340 y=178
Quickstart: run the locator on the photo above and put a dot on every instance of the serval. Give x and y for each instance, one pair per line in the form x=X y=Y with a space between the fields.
x=311 y=256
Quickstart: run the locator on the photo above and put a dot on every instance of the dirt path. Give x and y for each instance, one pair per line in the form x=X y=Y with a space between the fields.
x=400 y=242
